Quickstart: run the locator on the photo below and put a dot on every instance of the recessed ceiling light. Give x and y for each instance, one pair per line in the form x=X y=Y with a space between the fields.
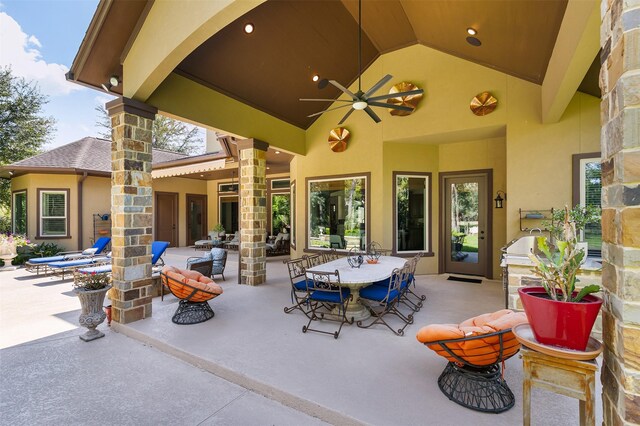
x=315 y=77
x=277 y=152
x=471 y=31
x=248 y=28
x=268 y=168
x=201 y=175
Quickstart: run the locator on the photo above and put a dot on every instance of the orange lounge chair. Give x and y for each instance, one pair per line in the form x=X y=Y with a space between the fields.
x=476 y=349
x=194 y=291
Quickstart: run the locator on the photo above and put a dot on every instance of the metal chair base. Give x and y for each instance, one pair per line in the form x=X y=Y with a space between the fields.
x=192 y=313
x=478 y=388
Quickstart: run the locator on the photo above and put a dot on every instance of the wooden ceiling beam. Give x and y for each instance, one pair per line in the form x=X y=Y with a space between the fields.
x=577 y=44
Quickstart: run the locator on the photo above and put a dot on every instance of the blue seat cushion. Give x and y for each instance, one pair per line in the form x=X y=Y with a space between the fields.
x=330 y=296
x=71 y=263
x=378 y=293
x=302 y=284
x=382 y=283
x=41 y=260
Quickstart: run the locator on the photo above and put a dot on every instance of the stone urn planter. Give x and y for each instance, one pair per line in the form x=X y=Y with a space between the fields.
x=8 y=252
x=92 y=312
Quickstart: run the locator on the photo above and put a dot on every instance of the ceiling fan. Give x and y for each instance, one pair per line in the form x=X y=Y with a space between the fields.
x=364 y=100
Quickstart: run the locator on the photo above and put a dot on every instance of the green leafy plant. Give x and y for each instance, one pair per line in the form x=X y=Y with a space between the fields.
x=579 y=215
x=46 y=249
x=559 y=271
x=218 y=228
x=458 y=237
x=92 y=281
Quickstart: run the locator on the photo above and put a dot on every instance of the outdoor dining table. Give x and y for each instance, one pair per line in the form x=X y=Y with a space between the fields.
x=357 y=278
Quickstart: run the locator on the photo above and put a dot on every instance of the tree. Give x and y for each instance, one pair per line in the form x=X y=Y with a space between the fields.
x=169 y=134
x=23 y=127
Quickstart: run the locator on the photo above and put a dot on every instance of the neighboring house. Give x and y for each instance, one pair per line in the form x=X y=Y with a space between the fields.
x=64 y=195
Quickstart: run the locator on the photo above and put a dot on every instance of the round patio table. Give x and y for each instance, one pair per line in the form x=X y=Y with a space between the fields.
x=357 y=278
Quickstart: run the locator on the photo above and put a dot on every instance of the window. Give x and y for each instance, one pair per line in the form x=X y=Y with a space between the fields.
x=228 y=210
x=19 y=212
x=411 y=213
x=338 y=209
x=53 y=212
x=279 y=183
x=228 y=187
x=280 y=211
x=587 y=187
x=293 y=214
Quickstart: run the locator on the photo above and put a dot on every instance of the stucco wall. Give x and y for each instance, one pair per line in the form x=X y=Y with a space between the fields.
x=530 y=161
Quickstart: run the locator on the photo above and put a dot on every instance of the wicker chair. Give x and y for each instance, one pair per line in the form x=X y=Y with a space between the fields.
x=194 y=291
x=476 y=350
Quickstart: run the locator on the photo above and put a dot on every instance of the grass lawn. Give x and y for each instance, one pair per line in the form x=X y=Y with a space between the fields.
x=470 y=244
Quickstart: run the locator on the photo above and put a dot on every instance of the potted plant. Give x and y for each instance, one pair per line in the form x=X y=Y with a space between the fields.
x=558 y=314
x=217 y=231
x=91 y=289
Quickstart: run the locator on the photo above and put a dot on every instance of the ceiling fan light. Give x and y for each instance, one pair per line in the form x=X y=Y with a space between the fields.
x=360 y=105
x=472 y=31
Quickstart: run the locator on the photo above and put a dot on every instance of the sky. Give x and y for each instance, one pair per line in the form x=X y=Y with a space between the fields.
x=39 y=40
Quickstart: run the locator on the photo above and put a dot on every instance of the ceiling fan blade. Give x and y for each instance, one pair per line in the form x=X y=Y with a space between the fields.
x=346 y=116
x=327 y=110
x=327 y=100
x=372 y=114
x=396 y=95
x=390 y=106
x=378 y=85
x=344 y=89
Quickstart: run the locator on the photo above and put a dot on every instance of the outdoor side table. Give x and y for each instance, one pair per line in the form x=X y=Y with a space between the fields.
x=572 y=378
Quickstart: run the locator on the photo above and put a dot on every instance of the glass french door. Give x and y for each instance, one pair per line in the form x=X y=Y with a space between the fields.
x=466 y=234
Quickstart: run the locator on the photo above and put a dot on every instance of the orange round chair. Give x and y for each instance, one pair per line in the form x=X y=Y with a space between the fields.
x=194 y=291
x=476 y=349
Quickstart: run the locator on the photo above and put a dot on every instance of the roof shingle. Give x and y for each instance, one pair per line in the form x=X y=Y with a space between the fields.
x=87 y=154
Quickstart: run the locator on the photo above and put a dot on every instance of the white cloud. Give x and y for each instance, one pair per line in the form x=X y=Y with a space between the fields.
x=20 y=51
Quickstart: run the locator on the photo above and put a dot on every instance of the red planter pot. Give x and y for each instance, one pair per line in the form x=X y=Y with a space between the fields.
x=564 y=324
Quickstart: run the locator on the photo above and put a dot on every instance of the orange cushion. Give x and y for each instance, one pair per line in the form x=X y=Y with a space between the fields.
x=205 y=279
x=482 y=351
x=192 y=275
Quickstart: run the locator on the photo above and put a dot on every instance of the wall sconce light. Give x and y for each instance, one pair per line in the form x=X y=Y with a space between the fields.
x=499 y=199
x=113 y=82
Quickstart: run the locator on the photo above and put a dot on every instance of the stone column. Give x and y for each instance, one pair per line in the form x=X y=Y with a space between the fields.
x=620 y=116
x=131 y=209
x=253 y=211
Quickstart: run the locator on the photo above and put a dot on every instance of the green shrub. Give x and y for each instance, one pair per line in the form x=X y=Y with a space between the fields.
x=46 y=250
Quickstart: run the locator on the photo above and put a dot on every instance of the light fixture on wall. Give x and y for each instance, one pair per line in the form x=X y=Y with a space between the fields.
x=499 y=199
x=113 y=82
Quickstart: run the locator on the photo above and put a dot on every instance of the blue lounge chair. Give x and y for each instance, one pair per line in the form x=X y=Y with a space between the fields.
x=157 y=250
x=71 y=265
x=38 y=263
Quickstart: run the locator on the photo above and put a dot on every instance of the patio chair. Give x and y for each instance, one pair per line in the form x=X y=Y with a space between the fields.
x=157 y=250
x=382 y=301
x=299 y=285
x=476 y=350
x=330 y=255
x=234 y=243
x=327 y=300
x=69 y=266
x=194 y=291
x=314 y=260
x=280 y=245
x=211 y=264
x=336 y=241
x=37 y=263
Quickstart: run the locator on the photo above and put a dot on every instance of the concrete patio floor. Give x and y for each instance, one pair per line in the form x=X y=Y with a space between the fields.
x=366 y=376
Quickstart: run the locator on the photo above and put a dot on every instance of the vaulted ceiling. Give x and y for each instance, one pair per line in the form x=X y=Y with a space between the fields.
x=272 y=68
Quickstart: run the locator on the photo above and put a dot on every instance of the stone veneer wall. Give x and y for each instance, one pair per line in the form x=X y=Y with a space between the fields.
x=620 y=145
x=131 y=209
x=253 y=211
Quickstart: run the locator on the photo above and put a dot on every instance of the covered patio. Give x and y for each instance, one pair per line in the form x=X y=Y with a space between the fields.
x=365 y=377
x=543 y=65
